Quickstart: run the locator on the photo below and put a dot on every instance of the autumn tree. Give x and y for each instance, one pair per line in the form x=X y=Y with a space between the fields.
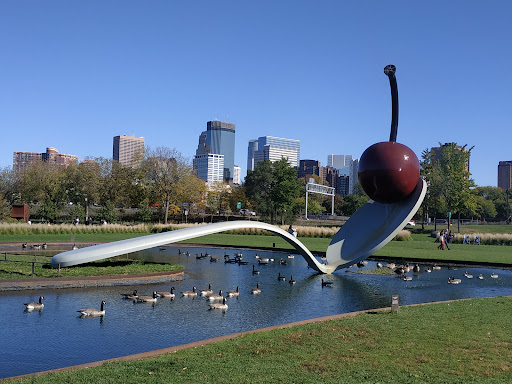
x=165 y=172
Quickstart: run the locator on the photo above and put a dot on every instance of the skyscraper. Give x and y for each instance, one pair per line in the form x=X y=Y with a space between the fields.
x=22 y=160
x=273 y=149
x=127 y=148
x=209 y=167
x=220 y=139
x=341 y=162
x=505 y=174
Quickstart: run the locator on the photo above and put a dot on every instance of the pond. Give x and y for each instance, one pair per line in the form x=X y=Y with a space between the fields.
x=57 y=337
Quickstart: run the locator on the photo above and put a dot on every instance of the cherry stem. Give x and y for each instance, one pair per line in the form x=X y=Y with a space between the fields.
x=390 y=70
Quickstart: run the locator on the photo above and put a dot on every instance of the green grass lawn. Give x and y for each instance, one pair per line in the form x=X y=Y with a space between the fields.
x=67 y=237
x=459 y=342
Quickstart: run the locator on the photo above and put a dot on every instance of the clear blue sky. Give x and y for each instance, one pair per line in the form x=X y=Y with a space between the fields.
x=74 y=74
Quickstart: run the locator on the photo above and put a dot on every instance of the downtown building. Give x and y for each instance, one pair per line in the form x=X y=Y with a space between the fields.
x=21 y=161
x=273 y=149
x=346 y=166
x=505 y=175
x=340 y=182
x=128 y=150
x=216 y=145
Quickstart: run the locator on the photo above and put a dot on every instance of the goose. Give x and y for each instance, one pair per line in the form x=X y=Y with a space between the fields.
x=37 y=246
x=147 y=299
x=257 y=290
x=390 y=265
x=436 y=267
x=74 y=247
x=255 y=271
x=291 y=256
x=45 y=245
x=37 y=306
x=407 y=268
x=469 y=276
x=131 y=296
x=169 y=295
x=191 y=293
x=379 y=265
x=453 y=280
x=494 y=275
x=91 y=312
x=291 y=281
x=280 y=277
x=206 y=292
x=416 y=268
x=222 y=306
x=24 y=245
x=218 y=297
x=406 y=278
x=481 y=277
x=213 y=259
x=326 y=283
x=263 y=260
x=428 y=270
x=399 y=270
x=256 y=256
x=360 y=264
x=234 y=293
x=283 y=262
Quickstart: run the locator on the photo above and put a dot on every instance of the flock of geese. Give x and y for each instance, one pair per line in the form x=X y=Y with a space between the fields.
x=401 y=271
x=218 y=301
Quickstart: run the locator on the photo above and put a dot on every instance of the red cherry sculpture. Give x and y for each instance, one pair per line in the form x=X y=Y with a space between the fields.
x=389 y=171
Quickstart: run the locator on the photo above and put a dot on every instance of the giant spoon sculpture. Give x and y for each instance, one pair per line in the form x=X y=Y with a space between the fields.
x=388 y=173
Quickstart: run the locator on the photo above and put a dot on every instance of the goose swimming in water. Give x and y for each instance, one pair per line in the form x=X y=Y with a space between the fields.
x=218 y=297
x=257 y=290
x=235 y=293
x=91 y=312
x=255 y=271
x=281 y=277
x=326 y=283
x=291 y=281
x=168 y=295
x=35 y=306
x=130 y=296
x=220 y=306
x=147 y=299
x=206 y=292
x=191 y=293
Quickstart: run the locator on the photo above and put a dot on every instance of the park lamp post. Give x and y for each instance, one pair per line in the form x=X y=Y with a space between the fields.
x=86 y=210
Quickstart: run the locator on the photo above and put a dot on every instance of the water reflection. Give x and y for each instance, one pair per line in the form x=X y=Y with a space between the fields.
x=129 y=327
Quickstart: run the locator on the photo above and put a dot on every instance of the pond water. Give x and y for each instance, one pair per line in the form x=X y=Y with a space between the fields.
x=56 y=337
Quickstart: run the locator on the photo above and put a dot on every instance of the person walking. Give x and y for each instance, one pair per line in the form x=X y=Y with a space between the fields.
x=441 y=241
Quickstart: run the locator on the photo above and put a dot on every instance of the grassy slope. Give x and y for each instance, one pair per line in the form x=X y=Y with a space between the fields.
x=458 y=342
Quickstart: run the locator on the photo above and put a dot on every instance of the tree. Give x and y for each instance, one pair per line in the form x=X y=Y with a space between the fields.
x=447 y=174
x=351 y=203
x=165 y=171
x=338 y=205
x=273 y=189
x=43 y=182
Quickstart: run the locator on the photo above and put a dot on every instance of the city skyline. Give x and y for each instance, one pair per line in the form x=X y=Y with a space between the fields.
x=76 y=74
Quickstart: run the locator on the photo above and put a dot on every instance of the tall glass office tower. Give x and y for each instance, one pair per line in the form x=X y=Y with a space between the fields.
x=219 y=139
x=274 y=149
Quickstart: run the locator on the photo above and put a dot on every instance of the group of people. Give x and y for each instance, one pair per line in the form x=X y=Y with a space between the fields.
x=445 y=238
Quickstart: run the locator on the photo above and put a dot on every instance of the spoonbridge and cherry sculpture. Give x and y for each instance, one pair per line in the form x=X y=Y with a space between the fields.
x=388 y=173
